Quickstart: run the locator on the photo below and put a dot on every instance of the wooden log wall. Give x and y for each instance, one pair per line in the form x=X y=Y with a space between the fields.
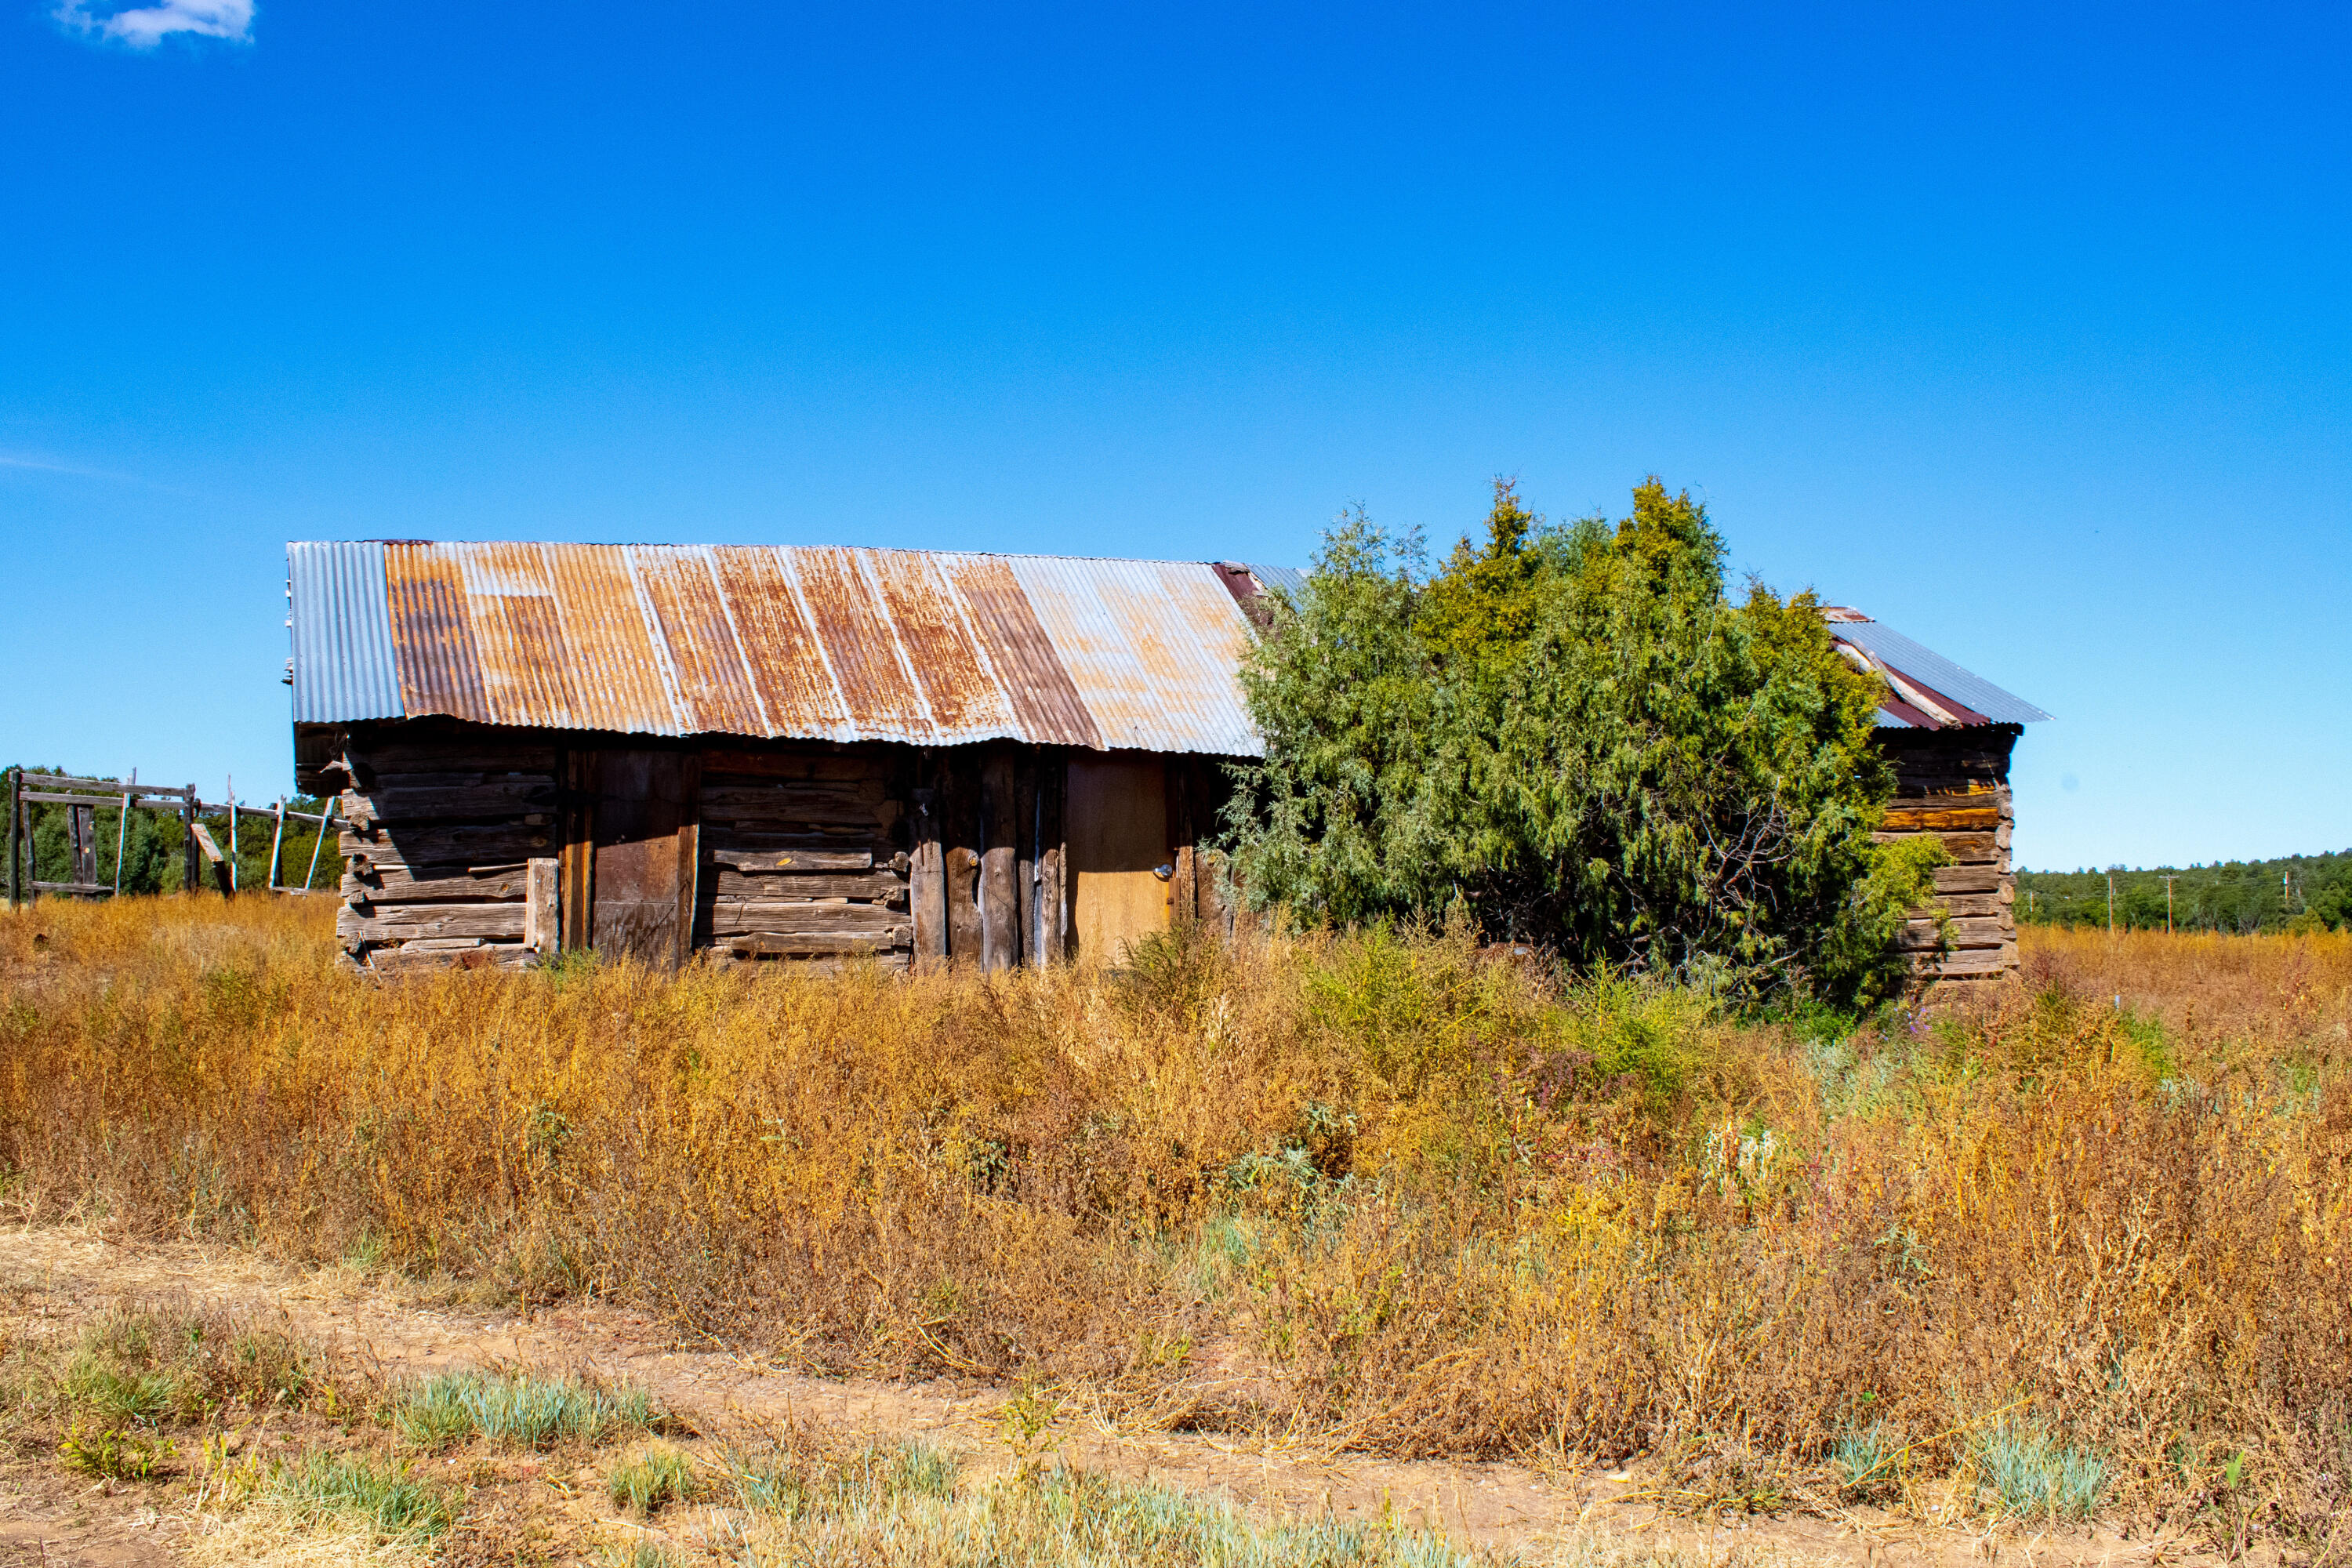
x=1953 y=784
x=468 y=847
x=988 y=861
x=804 y=855
x=439 y=837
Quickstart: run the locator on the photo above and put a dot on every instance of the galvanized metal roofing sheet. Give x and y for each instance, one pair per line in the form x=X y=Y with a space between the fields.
x=343 y=661
x=1153 y=646
x=1941 y=678
x=1288 y=579
x=930 y=647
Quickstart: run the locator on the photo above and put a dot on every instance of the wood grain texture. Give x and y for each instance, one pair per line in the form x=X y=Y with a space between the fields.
x=872 y=919
x=795 y=859
x=732 y=886
x=393 y=922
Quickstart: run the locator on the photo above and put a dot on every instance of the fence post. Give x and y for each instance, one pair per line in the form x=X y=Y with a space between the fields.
x=277 y=841
x=320 y=842
x=189 y=876
x=16 y=785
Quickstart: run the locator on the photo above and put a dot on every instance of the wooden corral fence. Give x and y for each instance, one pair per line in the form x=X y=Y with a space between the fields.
x=84 y=798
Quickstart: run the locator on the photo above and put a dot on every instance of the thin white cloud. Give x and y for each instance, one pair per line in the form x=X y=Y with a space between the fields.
x=144 y=26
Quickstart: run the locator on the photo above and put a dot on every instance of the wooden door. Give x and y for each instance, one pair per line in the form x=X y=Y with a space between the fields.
x=640 y=849
x=1119 y=859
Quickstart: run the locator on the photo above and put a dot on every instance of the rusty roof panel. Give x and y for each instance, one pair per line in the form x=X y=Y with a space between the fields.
x=862 y=650
x=714 y=685
x=1046 y=705
x=1152 y=646
x=925 y=647
x=782 y=654
x=425 y=591
x=960 y=690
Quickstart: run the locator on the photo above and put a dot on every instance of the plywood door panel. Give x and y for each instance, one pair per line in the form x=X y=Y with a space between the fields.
x=1115 y=816
x=643 y=890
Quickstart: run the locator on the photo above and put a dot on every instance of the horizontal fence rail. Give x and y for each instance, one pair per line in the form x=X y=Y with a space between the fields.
x=83 y=797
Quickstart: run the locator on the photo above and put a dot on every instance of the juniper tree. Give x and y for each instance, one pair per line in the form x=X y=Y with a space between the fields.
x=1576 y=736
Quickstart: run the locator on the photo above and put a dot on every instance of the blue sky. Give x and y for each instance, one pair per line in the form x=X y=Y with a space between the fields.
x=2029 y=332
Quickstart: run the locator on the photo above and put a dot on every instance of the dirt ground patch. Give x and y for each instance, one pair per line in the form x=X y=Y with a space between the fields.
x=57 y=1273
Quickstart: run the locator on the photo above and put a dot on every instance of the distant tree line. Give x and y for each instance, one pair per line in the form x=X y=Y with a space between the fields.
x=152 y=857
x=2297 y=892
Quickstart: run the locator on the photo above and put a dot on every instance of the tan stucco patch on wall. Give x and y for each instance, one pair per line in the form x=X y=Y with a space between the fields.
x=1117 y=831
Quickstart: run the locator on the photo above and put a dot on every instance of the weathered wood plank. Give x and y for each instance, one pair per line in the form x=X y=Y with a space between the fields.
x=758 y=793
x=1000 y=908
x=873 y=920
x=1962 y=905
x=779 y=888
x=793 y=861
x=1966 y=932
x=104 y=802
x=812 y=944
x=927 y=883
x=1965 y=848
x=380 y=754
x=542 y=922
x=1968 y=879
x=1968 y=961
x=391 y=923
x=111 y=787
x=398 y=885
x=493 y=800
x=731 y=766
x=454 y=845
x=1938 y=817
x=412 y=958
x=962 y=878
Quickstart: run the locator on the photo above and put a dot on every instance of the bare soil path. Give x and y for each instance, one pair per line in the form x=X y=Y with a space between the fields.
x=70 y=1271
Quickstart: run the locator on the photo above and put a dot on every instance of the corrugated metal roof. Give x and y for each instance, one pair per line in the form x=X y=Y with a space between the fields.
x=930 y=648
x=1943 y=694
x=926 y=647
x=1288 y=579
x=343 y=661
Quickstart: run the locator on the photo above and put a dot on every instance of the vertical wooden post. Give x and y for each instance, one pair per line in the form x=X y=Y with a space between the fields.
x=960 y=819
x=326 y=820
x=190 y=876
x=15 y=788
x=277 y=842
x=81 y=834
x=1000 y=906
x=1026 y=822
x=690 y=854
x=233 y=814
x=123 y=832
x=542 y=916
x=1053 y=860
x=577 y=768
x=927 y=894
x=1183 y=887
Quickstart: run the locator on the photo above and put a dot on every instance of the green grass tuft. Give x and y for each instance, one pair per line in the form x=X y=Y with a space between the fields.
x=518 y=1411
x=383 y=1495
x=660 y=1475
x=2035 y=1476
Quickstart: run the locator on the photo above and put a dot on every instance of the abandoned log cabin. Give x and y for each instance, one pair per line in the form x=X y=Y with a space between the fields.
x=904 y=756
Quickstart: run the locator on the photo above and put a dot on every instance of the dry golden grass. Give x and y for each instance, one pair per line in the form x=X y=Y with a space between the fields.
x=1365 y=1191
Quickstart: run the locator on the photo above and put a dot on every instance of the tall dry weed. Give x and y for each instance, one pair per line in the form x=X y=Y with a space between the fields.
x=1370 y=1189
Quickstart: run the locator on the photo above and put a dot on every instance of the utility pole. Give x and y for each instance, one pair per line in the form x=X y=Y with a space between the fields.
x=2111 y=899
x=2168 y=880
